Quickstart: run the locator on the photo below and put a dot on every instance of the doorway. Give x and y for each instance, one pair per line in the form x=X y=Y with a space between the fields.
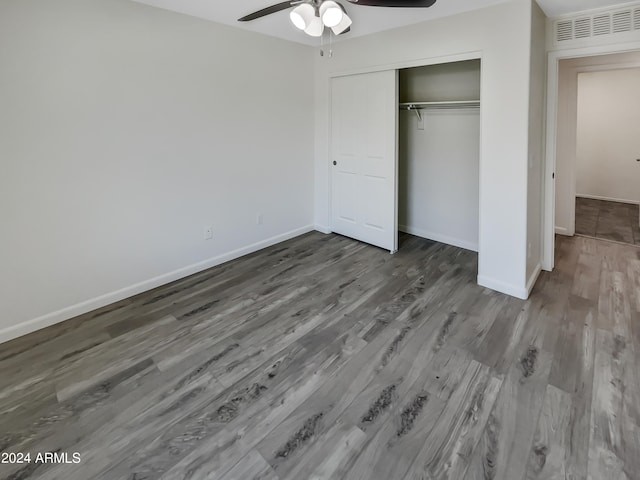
x=439 y=152
x=608 y=155
x=561 y=184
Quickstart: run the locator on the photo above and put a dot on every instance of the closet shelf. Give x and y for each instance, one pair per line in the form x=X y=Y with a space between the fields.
x=440 y=105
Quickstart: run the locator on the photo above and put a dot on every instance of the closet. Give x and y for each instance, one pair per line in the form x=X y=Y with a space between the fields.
x=439 y=152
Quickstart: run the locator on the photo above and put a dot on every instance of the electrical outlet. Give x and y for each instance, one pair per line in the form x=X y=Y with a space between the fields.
x=259 y=219
x=208 y=233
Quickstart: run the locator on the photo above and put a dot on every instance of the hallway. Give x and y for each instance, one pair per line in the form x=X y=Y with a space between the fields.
x=607 y=220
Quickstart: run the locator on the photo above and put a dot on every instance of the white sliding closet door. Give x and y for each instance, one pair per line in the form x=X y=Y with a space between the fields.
x=364 y=114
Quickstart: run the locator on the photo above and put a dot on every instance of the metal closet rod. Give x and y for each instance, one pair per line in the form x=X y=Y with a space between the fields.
x=450 y=104
x=444 y=105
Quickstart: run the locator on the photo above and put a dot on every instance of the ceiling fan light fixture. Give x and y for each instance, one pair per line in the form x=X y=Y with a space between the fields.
x=302 y=16
x=315 y=27
x=331 y=13
x=343 y=25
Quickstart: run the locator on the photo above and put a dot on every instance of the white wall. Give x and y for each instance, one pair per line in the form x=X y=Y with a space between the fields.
x=500 y=35
x=124 y=130
x=438 y=176
x=565 y=183
x=536 y=144
x=439 y=164
x=442 y=82
x=607 y=142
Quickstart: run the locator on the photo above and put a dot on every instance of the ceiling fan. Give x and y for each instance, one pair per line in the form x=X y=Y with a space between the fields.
x=312 y=16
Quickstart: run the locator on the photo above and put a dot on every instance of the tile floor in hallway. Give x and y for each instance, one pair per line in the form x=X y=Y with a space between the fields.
x=607 y=220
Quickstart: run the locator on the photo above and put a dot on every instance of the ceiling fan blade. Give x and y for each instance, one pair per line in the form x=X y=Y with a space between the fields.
x=267 y=11
x=394 y=3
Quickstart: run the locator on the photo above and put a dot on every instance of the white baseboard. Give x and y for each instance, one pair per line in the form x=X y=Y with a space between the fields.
x=502 y=287
x=71 y=311
x=532 y=279
x=608 y=199
x=322 y=228
x=563 y=231
x=436 y=237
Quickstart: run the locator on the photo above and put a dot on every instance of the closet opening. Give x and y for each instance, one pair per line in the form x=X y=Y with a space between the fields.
x=439 y=152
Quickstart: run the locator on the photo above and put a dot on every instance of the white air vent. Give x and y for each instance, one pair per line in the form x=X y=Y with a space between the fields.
x=564 y=30
x=602 y=25
x=598 y=24
x=621 y=21
x=583 y=28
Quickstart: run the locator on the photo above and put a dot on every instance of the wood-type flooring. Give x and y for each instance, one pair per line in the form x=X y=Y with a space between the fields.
x=325 y=358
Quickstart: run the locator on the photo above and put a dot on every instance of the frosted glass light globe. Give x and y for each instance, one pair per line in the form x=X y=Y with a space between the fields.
x=331 y=13
x=315 y=28
x=302 y=16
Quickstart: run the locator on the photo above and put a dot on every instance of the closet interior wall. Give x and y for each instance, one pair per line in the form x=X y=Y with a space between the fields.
x=439 y=154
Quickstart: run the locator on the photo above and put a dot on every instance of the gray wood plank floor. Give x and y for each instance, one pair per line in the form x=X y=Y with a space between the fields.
x=324 y=358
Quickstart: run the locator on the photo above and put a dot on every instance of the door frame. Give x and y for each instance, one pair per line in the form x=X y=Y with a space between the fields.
x=571 y=162
x=397 y=66
x=553 y=70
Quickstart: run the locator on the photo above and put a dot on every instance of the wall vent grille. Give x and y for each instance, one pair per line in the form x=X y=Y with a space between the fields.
x=583 y=28
x=564 y=30
x=621 y=21
x=598 y=24
x=602 y=25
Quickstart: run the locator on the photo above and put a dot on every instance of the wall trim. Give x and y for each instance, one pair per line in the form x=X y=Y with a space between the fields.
x=563 y=231
x=322 y=228
x=533 y=278
x=608 y=199
x=456 y=242
x=502 y=287
x=71 y=311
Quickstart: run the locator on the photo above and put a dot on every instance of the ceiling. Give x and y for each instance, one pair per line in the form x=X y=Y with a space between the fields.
x=365 y=19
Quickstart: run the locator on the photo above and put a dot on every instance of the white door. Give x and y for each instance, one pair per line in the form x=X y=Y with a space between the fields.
x=363 y=153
